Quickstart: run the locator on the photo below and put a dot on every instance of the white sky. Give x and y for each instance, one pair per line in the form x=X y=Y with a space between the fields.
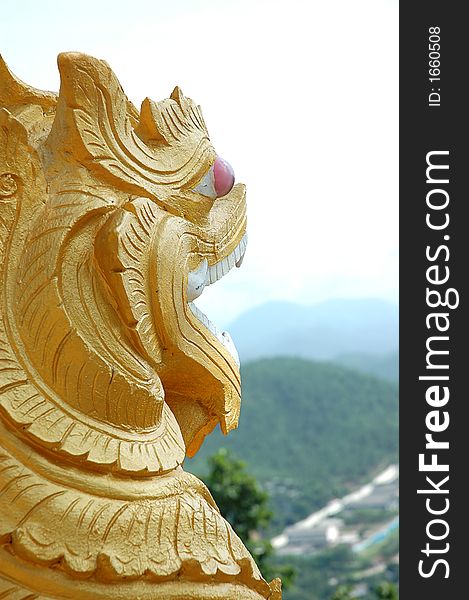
x=300 y=96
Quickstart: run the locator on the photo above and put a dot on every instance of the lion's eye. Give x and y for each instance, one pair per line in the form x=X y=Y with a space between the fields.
x=218 y=180
x=206 y=185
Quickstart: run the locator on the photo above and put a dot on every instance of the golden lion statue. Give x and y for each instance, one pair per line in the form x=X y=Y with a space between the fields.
x=111 y=223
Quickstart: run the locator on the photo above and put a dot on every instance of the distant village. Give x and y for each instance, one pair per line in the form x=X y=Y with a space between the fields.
x=360 y=519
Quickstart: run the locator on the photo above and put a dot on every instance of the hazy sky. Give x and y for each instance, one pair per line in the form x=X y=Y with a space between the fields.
x=300 y=97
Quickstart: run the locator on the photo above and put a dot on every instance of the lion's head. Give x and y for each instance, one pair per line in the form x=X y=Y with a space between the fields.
x=127 y=218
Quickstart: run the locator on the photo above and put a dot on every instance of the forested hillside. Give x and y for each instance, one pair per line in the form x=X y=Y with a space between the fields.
x=309 y=431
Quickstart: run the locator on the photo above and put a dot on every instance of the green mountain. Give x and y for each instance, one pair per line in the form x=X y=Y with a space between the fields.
x=309 y=431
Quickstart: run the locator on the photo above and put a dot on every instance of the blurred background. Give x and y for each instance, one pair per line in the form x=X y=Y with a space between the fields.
x=301 y=98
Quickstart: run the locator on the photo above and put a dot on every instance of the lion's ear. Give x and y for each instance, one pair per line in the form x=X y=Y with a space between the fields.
x=153 y=154
x=13 y=92
x=95 y=123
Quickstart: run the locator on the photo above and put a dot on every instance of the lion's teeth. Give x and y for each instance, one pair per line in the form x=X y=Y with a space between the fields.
x=212 y=275
x=242 y=249
x=224 y=266
x=231 y=261
x=221 y=268
x=205 y=275
x=196 y=281
x=239 y=261
x=222 y=336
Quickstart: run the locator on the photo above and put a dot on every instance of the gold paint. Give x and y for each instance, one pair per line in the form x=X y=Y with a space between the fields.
x=107 y=378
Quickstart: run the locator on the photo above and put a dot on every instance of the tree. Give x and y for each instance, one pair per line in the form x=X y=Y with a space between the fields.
x=245 y=505
x=386 y=591
x=342 y=593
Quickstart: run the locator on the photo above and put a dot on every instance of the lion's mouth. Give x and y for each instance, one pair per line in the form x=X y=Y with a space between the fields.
x=206 y=275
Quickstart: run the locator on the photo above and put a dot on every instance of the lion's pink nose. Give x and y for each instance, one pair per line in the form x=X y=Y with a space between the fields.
x=224 y=176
